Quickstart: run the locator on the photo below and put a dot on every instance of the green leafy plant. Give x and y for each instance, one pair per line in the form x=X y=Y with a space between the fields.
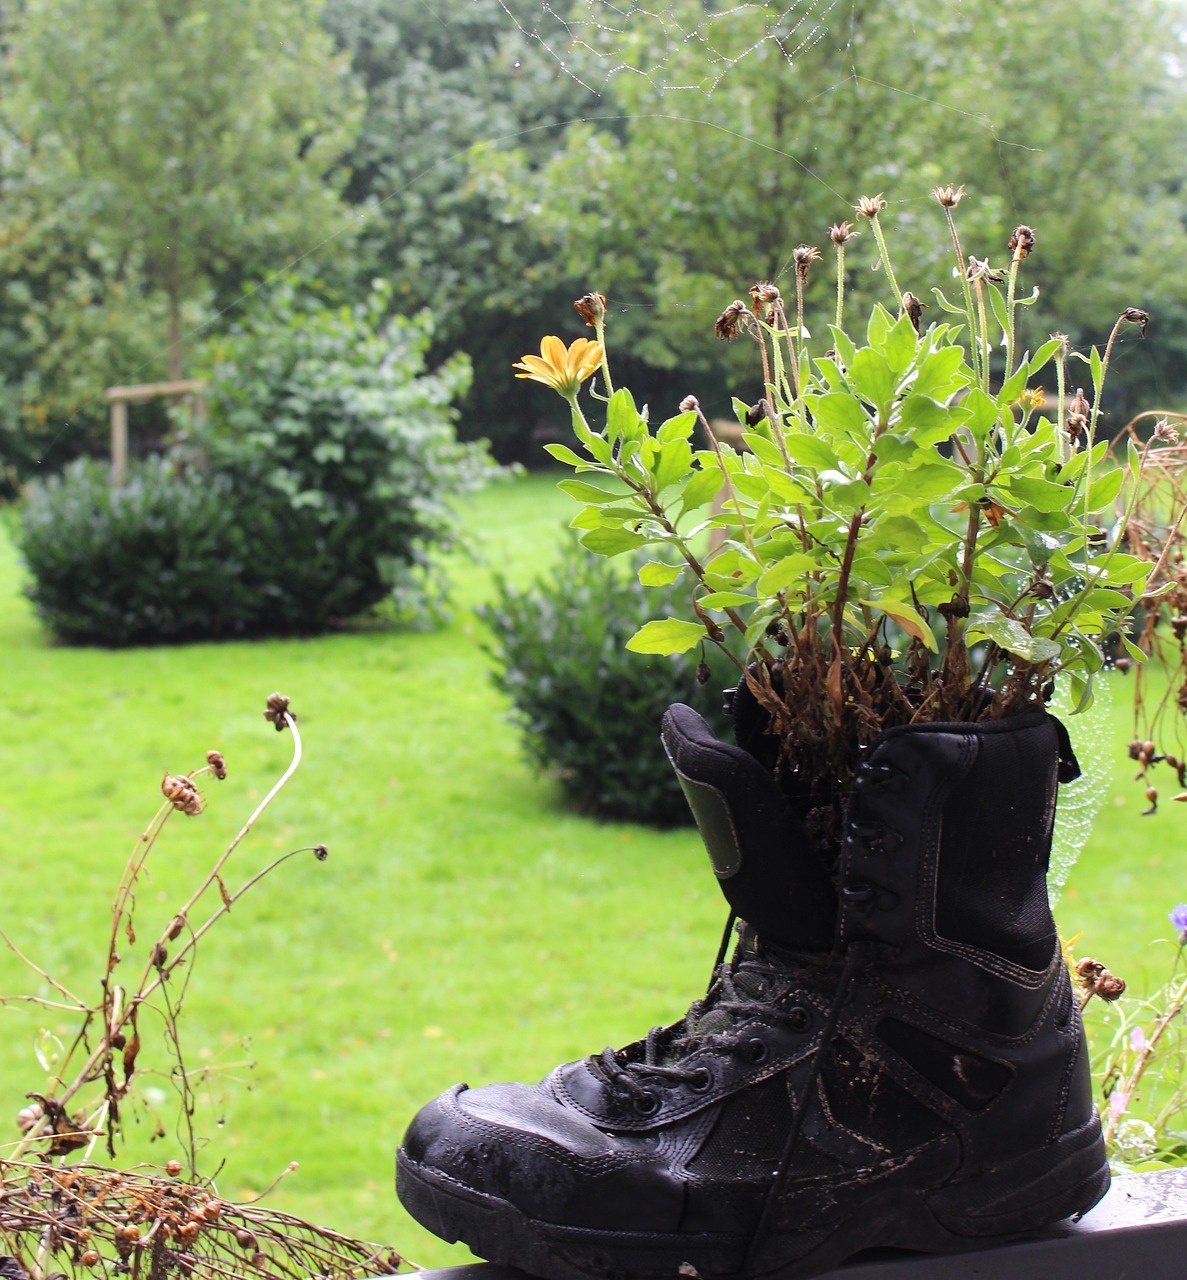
x=157 y=559
x=321 y=485
x=908 y=536
x=588 y=710
x=329 y=415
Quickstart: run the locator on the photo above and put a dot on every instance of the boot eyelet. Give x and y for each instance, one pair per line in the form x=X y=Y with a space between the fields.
x=798 y=1018
x=757 y=1051
x=647 y=1104
x=702 y=1082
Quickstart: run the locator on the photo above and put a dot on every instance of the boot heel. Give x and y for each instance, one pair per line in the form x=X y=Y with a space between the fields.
x=1062 y=1180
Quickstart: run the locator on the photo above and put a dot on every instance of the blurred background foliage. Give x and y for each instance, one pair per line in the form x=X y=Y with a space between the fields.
x=161 y=159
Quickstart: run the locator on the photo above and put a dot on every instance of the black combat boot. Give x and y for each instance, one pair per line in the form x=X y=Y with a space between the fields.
x=892 y=1057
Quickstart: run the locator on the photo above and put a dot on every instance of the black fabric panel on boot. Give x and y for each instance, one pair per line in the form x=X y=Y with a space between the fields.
x=997 y=822
x=767 y=867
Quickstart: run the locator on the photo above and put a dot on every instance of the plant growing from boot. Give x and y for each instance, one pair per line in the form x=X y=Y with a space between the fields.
x=915 y=531
x=66 y=1213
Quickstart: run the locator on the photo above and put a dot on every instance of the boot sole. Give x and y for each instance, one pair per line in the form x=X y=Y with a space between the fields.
x=996 y=1206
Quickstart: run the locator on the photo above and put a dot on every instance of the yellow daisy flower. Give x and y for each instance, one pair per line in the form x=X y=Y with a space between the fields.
x=562 y=368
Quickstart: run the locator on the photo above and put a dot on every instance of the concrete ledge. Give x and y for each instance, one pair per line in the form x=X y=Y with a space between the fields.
x=1137 y=1232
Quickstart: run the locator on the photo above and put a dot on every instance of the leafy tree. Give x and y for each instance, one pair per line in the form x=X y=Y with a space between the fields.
x=157 y=150
x=1064 y=115
x=445 y=84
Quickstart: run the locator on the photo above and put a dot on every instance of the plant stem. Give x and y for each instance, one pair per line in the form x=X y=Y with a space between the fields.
x=881 y=239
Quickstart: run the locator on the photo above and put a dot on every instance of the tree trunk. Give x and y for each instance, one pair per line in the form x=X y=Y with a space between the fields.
x=172 y=289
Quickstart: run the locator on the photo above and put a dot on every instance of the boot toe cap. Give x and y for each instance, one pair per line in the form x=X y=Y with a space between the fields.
x=517 y=1143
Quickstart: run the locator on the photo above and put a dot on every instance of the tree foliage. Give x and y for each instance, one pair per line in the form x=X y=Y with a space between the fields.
x=445 y=84
x=1062 y=114
x=159 y=152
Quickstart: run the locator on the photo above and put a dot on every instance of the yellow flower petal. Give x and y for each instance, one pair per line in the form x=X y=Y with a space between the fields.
x=560 y=367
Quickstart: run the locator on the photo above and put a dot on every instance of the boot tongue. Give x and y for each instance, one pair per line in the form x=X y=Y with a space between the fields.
x=770 y=872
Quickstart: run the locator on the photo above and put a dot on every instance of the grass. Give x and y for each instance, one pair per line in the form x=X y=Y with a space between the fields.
x=465 y=926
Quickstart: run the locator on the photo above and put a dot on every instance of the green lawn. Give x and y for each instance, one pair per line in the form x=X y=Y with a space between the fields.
x=465 y=926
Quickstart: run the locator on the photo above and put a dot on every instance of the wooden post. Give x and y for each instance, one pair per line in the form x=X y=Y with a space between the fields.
x=119 y=442
x=121 y=397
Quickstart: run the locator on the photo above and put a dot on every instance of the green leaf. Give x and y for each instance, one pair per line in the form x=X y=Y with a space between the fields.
x=656 y=574
x=787 y=572
x=764 y=449
x=873 y=378
x=1041 y=494
x=938 y=374
x=878 y=329
x=907 y=617
x=611 y=542
x=724 y=600
x=843 y=345
x=900 y=347
x=983 y=413
x=669 y=635
x=997 y=305
x=674 y=461
x=583 y=492
x=677 y=428
x=811 y=451
x=840 y=412
x=926 y=421
x=1012 y=635
x=702 y=488
x=1105 y=489
x=1012 y=387
x=562 y=453
x=1041 y=357
x=950 y=307
x=622 y=418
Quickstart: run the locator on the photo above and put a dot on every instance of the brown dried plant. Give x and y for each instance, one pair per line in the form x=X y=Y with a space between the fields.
x=1155 y=532
x=63 y=1214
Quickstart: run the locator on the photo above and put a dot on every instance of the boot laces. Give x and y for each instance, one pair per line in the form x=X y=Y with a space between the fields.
x=749 y=987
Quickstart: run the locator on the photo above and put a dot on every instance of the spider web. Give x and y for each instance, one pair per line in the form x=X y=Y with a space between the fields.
x=674 y=46
x=1080 y=801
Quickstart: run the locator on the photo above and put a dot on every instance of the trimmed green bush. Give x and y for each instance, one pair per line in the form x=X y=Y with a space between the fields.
x=156 y=559
x=319 y=485
x=589 y=710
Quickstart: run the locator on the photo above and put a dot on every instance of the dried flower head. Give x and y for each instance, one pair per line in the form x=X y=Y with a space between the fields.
x=182 y=794
x=320 y=852
x=979 y=269
x=948 y=196
x=1164 y=433
x=1096 y=980
x=591 y=308
x=1022 y=241
x=803 y=256
x=729 y=323
x=1076 y=424
x=562 y=368
x=218 y=766
x=1135 y=315
x=870 y=206
x=766 y=297
x=278 y=708
x=913 y=309
x=841 y=233
x=689 y=404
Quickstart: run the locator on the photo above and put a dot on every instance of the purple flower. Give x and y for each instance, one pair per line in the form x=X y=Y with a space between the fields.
x=1178 y=918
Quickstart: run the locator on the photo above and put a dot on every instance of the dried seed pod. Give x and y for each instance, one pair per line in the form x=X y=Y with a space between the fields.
x=89 y=1258
x=218 y=766
x=245 y=1239
x=1110 y=987
x=173 y=1168
x=176 y=925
